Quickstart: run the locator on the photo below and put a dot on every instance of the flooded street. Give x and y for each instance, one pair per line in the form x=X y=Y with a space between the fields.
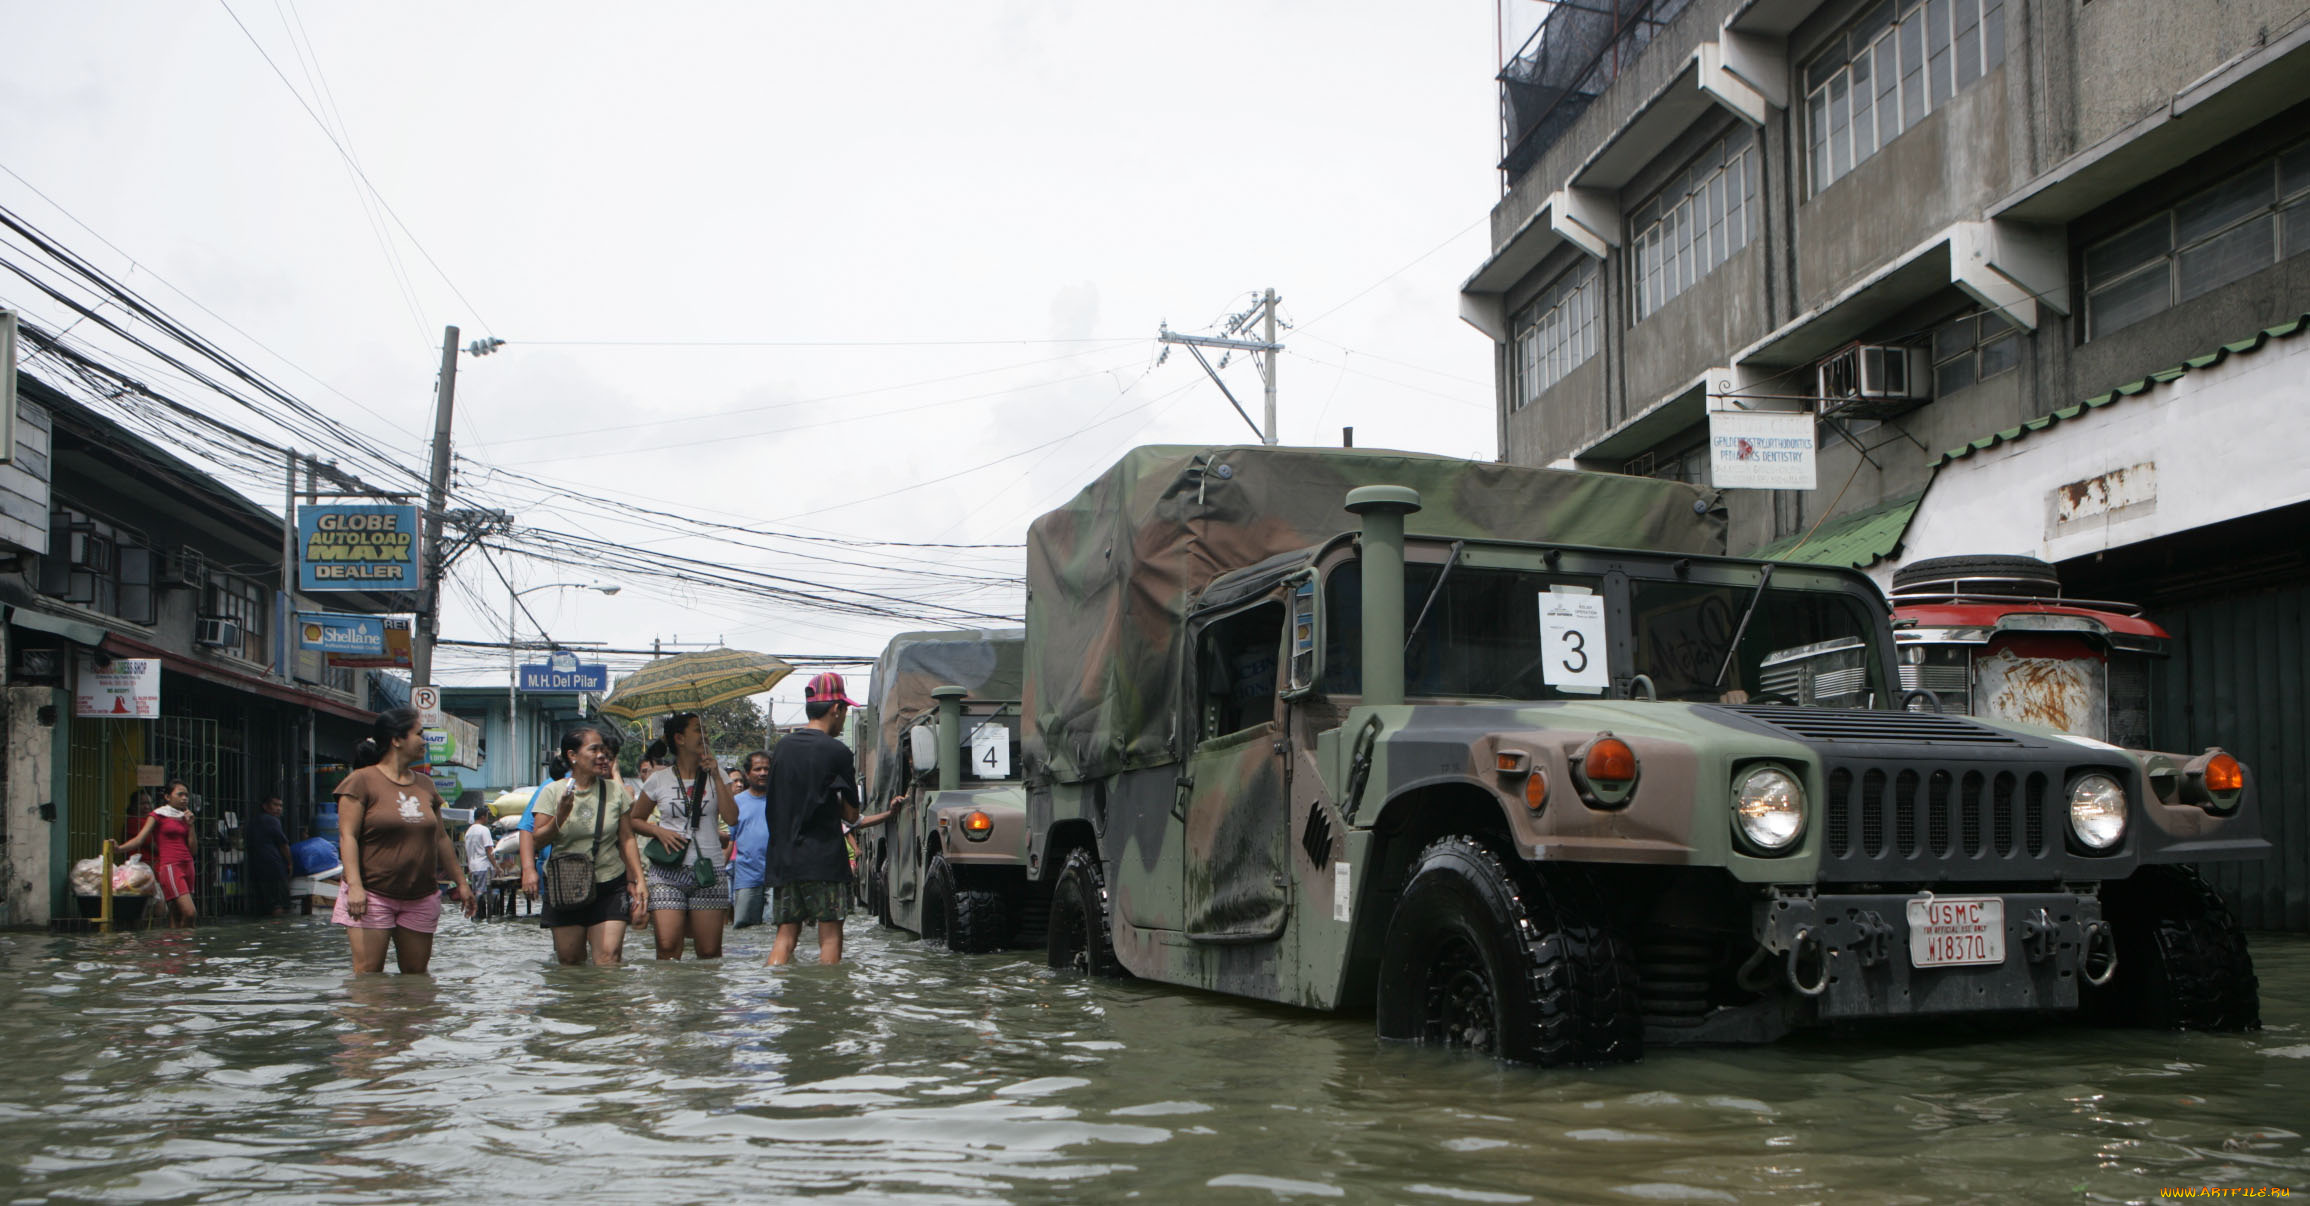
x=244 y=1062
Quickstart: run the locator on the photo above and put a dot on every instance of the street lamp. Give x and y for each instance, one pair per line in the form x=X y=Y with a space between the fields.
x=513 y=655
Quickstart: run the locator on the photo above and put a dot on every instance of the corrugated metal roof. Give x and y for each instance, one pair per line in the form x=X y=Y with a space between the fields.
x=1859 y=540
x=2252 y=343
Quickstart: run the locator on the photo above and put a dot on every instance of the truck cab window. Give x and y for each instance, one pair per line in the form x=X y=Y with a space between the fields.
x=1481 y=638
x=1235 y=666
x=1683 y=630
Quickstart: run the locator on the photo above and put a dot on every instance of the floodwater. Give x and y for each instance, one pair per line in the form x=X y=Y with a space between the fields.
x=243 y=1061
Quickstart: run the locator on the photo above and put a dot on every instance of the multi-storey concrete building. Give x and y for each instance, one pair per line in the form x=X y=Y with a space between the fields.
x=2036 y=269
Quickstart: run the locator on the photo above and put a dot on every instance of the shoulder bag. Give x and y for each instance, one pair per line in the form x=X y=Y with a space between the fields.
x=701 y=870
x=569 y=878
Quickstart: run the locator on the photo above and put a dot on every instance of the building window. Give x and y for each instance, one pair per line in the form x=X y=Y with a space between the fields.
x=1886 y=73
x=1707 y=212
x=1973 y=347
x=1688 y=464
x=2238 y=227
x=241 y=601
x=103 y=566
x=1556 y=333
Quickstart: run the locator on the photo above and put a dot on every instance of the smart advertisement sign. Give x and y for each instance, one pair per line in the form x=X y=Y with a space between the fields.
x=346 y=546
x=328 y=632
x=590 y=677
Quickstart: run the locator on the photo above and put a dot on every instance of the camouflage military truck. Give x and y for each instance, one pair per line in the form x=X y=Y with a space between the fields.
x=943 y=730
x=1526 y=779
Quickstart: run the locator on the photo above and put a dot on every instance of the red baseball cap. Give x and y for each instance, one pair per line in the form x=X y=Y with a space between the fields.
x=826 y=688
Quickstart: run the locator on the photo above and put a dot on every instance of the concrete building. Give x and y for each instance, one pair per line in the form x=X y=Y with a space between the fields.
x=2031 y=275
x=113 y=551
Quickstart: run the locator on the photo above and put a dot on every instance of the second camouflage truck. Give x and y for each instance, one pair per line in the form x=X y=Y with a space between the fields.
x=1508 y=756
x=942 y=729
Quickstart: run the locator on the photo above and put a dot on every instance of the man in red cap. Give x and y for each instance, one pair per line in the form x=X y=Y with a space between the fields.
x=813 y=789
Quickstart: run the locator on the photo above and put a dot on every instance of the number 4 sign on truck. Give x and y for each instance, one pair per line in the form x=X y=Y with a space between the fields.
x=991 y=752
x=1572 y=642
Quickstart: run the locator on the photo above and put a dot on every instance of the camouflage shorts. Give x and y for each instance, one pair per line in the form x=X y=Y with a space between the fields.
x=791 y=904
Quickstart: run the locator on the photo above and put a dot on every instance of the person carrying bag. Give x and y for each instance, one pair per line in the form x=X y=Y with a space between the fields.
x=592 y=888
x=689 y=885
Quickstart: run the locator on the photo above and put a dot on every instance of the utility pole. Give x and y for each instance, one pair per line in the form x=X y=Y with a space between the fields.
x=1267 y=365
x=1263 y=350
x=436 y=498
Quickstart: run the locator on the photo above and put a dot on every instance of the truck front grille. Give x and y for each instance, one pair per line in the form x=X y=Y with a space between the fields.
x=1895 y=822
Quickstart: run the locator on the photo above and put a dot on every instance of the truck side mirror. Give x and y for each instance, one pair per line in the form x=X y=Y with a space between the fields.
x=922 y=742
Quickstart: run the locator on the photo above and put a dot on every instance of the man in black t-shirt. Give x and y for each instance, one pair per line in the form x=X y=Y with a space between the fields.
x=813 y=790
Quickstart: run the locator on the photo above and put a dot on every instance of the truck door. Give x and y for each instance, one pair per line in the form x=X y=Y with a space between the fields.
x=1237 y=808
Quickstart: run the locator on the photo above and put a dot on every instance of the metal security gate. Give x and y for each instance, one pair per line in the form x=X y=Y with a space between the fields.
x=2239 y=677
x=209 y=755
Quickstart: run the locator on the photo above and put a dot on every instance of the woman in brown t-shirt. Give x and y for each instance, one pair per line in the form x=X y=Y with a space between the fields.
x=390 y=836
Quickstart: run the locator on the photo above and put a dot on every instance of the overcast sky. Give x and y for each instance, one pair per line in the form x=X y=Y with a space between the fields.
x=1001 y=201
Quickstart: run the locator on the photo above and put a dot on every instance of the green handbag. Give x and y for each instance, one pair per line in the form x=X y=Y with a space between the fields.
x=701 y=869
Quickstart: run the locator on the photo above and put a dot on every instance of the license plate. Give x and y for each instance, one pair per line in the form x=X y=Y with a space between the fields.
x=1956 y=931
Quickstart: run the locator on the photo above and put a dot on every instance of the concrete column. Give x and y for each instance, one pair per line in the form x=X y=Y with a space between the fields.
x=31 y=877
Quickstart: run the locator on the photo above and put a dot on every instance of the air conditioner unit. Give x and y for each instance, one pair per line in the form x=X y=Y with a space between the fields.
x=1872 y=381
x=217 y=632
x=184 y=568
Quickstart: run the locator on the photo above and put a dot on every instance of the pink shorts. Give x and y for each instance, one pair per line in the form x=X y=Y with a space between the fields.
x=386 y=912
x=176 y=879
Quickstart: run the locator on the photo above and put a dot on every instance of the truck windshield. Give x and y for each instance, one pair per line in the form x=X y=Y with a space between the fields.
x=1805 y=646
x=1481 y=638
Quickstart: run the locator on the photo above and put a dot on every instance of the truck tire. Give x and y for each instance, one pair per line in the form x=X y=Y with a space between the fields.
x=2182 y=959
x=1081 y=936
x=937 y=899
x=1500 y=959
x=2007 y=575
x=878 y=890
x=971 y=920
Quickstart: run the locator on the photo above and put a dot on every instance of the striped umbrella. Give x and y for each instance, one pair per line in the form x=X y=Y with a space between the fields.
x=690 y=681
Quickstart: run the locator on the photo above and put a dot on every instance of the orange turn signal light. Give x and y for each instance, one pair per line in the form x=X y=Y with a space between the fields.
x=2224 y=775
x=977 y=825
x=1609 y=762
x=1536 y=792
x=1511 y=762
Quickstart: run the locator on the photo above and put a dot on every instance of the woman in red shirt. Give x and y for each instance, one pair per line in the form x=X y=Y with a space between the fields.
x=169 y=835
x=390 y=836
x=168 y=832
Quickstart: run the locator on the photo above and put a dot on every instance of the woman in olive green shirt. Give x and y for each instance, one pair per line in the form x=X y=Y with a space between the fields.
x=567 y=817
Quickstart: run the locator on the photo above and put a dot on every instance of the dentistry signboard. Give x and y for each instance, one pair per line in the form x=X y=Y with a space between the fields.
x=342 y=546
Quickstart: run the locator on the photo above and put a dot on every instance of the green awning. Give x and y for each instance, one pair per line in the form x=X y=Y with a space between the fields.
x=1859 y=540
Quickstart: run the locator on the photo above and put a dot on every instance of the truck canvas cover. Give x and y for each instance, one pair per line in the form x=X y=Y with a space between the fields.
x=1112 y=573
x=982 y=662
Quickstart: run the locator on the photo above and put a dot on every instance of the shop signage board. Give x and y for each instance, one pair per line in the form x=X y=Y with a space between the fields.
x=330 y=632
x=356 y=546
x=127 y=688
x=396 y=652
x=1760 y=450
x=593 y=677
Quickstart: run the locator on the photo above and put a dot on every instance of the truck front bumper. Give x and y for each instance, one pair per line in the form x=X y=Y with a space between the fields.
x=1864 y=956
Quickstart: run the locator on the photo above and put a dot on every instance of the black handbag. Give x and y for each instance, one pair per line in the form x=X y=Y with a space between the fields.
x=569 y=878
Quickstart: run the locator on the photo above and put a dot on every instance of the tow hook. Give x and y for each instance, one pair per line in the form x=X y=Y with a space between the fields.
x=1874 y=939
x=2100 y=944
x=1804 y=941
x=2040 y=937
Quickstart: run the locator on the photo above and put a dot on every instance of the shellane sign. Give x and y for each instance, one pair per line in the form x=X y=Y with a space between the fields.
x=1760 y=450
x=356 y=547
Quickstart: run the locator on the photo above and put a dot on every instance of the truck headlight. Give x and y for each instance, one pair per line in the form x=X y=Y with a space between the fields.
x=1769 y=805
x=2097 y=810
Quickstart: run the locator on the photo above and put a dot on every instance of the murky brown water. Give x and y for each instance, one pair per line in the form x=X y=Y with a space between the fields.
x=244 y=1062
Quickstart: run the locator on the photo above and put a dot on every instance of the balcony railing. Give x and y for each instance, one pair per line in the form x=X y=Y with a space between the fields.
x=1580 y=48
